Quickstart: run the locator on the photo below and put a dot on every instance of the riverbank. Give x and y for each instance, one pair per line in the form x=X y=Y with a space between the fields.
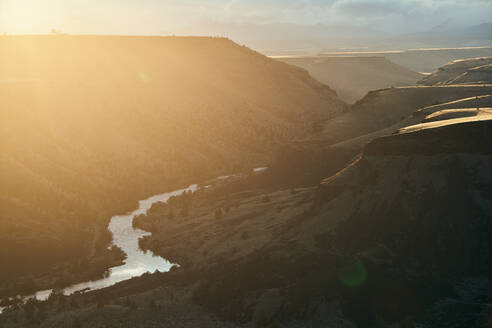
x=63 y=274
x=221 y=230
x=103 y=255
x=126 y=259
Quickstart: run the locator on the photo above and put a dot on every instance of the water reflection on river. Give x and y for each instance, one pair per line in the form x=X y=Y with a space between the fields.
x=126 y=237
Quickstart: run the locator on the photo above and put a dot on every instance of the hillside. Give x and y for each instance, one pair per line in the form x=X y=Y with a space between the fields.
x=473 y=70
x=373 y=236
x=378 y=216
x=339 y=140
x=91 y=124
x=400 y=237
x=383 y=108
x=353 y=77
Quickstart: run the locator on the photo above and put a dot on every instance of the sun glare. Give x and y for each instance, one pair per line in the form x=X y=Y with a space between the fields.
x=245 y=163
x=28 y=16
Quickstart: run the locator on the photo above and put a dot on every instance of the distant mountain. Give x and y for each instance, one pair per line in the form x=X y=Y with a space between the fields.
x=444 y=27
x=484 y=30
x=282 y=31
x=275 y=39
x=449 y=34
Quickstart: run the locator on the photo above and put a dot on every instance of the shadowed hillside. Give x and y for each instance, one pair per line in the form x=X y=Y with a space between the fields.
x=339 y=140
x=353 y=77
x=372 y=246
x=91 y=124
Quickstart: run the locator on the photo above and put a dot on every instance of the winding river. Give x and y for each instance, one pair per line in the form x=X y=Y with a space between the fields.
x=126 y=237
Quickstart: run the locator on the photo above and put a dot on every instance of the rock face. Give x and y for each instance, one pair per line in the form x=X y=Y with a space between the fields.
x=473 y=70
x=96 y=123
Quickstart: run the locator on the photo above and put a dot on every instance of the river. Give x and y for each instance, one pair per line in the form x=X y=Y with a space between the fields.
x=126 y=237
x=137 y=262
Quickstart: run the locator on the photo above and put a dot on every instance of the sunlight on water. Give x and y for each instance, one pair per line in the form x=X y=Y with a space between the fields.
x=126 y=237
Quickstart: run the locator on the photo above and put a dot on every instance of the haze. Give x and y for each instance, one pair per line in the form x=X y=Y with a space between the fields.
x=195 y=16
x=245 y=164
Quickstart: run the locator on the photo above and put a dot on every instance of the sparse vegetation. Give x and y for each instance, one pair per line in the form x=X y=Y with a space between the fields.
x=58 y=213
x=344 y=228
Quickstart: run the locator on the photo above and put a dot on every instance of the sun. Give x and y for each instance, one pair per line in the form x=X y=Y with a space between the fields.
x=27 y=16
x=15 y=14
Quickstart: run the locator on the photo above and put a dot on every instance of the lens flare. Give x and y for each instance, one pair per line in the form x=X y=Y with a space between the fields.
x=144 y=77
x=353 y=274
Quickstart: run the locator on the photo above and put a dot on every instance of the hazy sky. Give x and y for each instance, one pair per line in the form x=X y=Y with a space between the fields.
x=174 y=16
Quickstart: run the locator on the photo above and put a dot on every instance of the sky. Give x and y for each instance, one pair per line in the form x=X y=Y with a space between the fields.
x=168 y=17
